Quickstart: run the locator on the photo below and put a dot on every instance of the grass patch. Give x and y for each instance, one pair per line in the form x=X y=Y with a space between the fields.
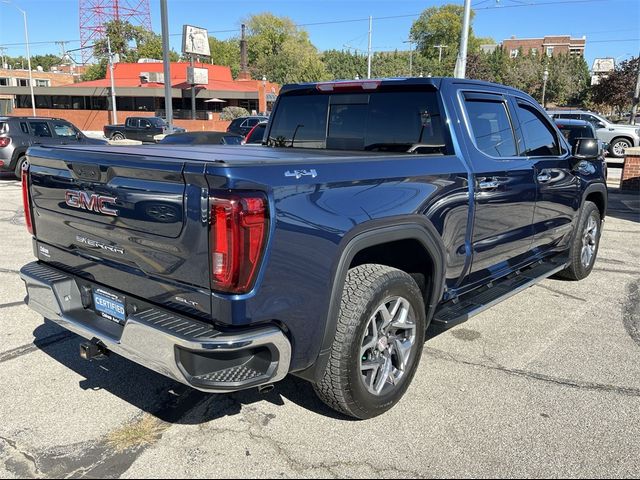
x=139 y=433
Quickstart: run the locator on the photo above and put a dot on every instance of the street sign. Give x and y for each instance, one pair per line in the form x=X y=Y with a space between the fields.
x=195 y=41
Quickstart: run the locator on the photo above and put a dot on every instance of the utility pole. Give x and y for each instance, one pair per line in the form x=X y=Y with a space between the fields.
x=636 y=100
x=113 y=85
x=168 y=105
x=193 y=91
x=4 y=63
x=369 y=56
x=461 y=64
x=410 y=42
x=440 y=47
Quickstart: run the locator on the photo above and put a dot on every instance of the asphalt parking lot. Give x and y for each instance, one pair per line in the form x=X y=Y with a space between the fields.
x=545 y=384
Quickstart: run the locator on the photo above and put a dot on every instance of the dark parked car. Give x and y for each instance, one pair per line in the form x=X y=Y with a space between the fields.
x=377 y=209
x=243 y=125
x=19 y=133
x=256 y=135
x=202 y=138
x=143 y=129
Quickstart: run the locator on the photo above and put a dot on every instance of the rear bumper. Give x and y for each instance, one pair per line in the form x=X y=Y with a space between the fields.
x=186 y=350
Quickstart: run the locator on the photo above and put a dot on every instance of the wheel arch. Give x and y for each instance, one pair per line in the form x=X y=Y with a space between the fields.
x=596 y=193
x=372 y=237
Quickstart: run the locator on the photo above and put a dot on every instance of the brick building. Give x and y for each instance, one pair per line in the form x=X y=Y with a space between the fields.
x=550 y=45
x=10 y=77
x=140 y=92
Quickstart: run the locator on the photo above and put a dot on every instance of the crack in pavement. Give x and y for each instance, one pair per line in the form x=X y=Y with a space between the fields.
x=564 y=382
x=559 y=292
x=36 y=345
x=611 y=270
x=9 y=270
x=20 y=463
x=12 y=304
x=631 y=311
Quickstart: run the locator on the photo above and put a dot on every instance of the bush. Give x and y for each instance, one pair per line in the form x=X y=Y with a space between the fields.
x=231 y=113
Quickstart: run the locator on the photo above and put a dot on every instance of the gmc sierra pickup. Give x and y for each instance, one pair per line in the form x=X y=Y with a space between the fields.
x=375 y=209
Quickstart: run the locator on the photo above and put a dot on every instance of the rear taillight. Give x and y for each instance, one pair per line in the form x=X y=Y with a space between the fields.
x=348 y=85
x=239 y=225
x=26 y=201
x=4 y=141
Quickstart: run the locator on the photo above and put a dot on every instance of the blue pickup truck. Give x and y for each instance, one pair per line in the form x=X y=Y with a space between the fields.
x=375 y=210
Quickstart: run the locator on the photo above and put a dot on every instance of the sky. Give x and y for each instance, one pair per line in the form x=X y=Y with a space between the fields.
x=612 y=27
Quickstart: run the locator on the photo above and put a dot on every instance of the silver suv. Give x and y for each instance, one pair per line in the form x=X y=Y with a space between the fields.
x=619 y=137
x=19 y=133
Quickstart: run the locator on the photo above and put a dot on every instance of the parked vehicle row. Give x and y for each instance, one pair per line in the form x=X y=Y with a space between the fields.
x=376 y=209
x=618 y=136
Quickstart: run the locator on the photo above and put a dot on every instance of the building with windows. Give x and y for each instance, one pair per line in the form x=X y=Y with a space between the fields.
x=10 y=77
x=550 y=45
x=139 y=91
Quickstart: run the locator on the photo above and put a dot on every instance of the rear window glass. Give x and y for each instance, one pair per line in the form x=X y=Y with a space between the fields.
x=572 y=132
x=24 y=127
x=391 y=121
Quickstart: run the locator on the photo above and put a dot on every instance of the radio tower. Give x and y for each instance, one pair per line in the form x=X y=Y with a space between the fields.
x=95 y=14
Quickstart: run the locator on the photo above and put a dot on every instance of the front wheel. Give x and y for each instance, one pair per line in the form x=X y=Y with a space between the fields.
x=584 y=247
x=618 y=147
x=378 y=342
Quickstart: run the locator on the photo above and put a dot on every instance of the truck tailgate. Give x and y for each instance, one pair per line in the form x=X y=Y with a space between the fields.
x=114 y=218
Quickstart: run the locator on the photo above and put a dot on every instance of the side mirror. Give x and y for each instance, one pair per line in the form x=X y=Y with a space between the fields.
x=79 y=136
x=600 y=125
x=147 y=126
x=586 y=148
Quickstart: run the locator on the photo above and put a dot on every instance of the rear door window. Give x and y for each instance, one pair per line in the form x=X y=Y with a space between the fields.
x=40 y=129
x=491 y=126
x=538 y=134
x=388 y=121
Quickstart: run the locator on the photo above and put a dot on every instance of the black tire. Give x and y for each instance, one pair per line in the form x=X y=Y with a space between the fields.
x=19 y=164
x=578 y=268
x=117 y=136
x=342 y=387
x=618 y=145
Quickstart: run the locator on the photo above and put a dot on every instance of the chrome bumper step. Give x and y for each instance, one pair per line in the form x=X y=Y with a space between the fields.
x=187 y=350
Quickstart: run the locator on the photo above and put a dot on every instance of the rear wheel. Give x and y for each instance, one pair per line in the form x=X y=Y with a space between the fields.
x=19 y=165
x=117 y=136
x=378 y=342
x=584 y=247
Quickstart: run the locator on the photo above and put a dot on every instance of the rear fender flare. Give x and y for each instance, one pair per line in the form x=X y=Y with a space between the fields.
x=369 y=234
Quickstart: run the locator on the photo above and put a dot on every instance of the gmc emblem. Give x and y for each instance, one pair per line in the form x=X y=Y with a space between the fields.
x=94 y=202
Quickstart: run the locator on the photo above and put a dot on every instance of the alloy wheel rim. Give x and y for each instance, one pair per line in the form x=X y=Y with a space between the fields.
x=387 y=345
x=619 y=148
x=589 y=242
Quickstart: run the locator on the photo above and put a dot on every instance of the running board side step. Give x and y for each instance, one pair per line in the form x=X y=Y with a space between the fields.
x=461 y=309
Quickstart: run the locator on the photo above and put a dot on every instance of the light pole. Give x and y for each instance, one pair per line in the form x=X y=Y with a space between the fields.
x=545 y=77
x=26 y=37
x=461 y=63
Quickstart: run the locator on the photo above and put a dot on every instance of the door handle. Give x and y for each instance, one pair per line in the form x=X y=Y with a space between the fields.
x=544 y=177
x=489 y=184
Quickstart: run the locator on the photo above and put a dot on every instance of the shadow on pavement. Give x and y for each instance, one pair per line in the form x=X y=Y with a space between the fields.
x=160 y=396
x=624 y=205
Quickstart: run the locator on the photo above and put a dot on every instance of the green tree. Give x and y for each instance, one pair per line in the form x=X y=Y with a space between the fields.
x=131 y=42
x=281 y=51
x=344 y=65
x=227 y=53
x=617 y=89
x=95 y=72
